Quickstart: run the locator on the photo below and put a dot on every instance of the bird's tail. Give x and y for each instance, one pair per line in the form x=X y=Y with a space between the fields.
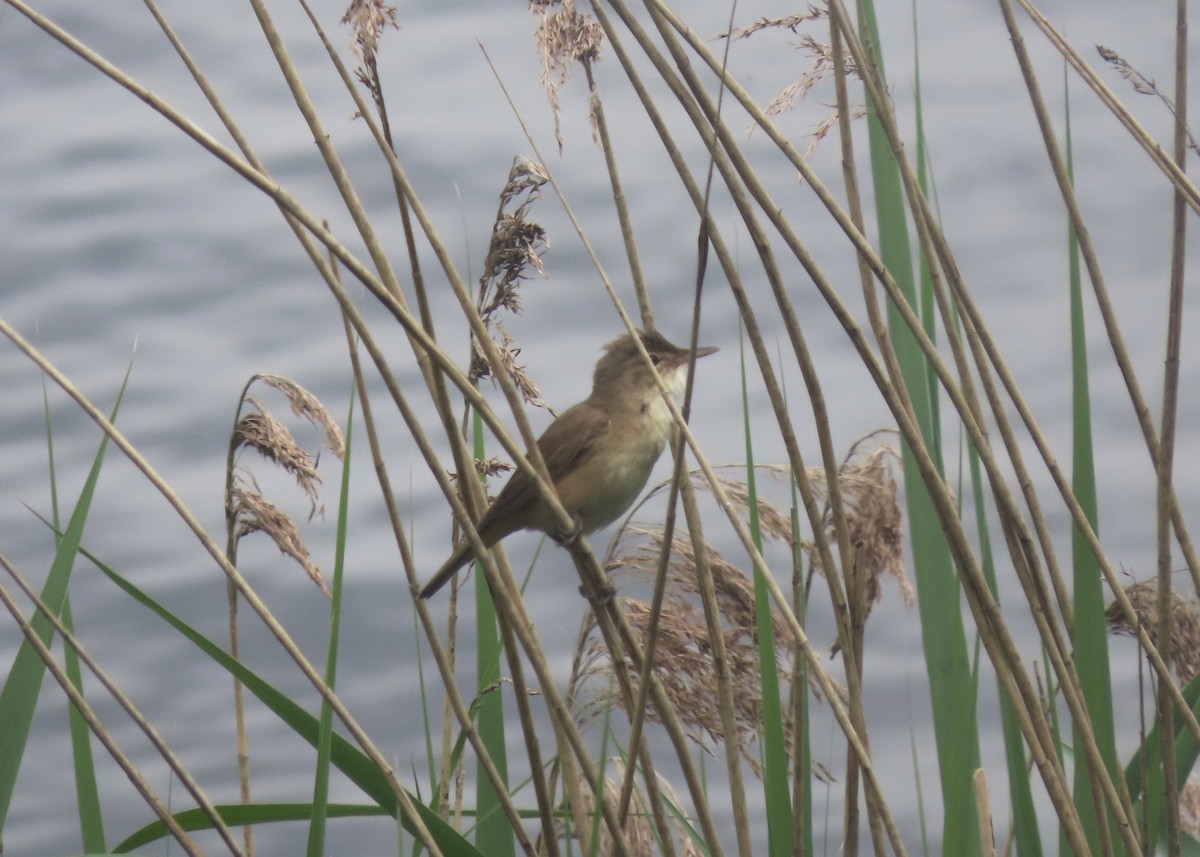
x=461 y=556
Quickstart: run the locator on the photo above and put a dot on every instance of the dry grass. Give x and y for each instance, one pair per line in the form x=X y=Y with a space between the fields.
x=683 y=658
x=564 y=36
x=871 y=499
x=1185 y=625
x=641 y=839
x=253 y=513
x=516 y=247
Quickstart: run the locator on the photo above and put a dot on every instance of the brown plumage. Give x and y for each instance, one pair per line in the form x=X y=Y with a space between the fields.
x=599 y=453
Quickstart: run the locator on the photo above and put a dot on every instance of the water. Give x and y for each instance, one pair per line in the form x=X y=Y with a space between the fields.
x=123 y=242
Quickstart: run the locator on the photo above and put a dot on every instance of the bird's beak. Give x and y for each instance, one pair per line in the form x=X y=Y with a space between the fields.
x=706 y=350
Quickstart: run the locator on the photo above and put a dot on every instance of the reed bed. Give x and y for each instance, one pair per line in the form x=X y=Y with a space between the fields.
x=686 y=723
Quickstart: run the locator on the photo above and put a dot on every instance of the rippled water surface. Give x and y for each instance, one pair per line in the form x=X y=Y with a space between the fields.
x=124 y=244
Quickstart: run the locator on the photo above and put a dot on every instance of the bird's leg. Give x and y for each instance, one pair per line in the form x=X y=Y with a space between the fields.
x=569 y=537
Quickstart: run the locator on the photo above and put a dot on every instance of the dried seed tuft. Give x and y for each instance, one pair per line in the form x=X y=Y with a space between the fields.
x=367 y=20
x=516 y=246
x=563 y=38
x=1185 y=625
x=253 y=513
x=259 y=430
x=308 y=407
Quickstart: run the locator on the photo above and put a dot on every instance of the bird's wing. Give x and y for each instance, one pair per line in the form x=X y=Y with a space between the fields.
x=566 y=443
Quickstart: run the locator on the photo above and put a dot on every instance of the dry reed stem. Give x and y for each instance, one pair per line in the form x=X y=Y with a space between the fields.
x=728 y=265
x=1166 y=461
x=728 y=703
x=442 y=659
x=929 y=472
x=367 y=74
x=298 y=217
x=891 y=363
x=639 y=706
x=635 y=27
x=529 y=735
x=1115 y=795
x=232 y=574
x=354 y=321
x=618 y=636
x=695 y=786
x=977 y=592
x=703 y=120
x=1183 y=187
x=394 y=299
x=1057 y=663
x=329 y=155
x=987 y=833
x=600 y=124
x=1156 y=660
x=810 y=380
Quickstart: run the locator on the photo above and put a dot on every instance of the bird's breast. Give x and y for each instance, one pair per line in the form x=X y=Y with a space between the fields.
x=608 y=483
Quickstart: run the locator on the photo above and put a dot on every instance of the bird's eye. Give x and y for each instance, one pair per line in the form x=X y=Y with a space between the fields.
x=655 y=359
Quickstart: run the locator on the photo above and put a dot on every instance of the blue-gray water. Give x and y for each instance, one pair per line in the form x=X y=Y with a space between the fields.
x=122 y=241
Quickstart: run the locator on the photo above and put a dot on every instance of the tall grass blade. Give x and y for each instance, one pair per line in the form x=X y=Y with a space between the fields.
x=774 y=748
x=240 y=814
x=928 y=313
x=316 y=829
x=18 y=698
x=950 y=681
x=345 y=756
x=1147 y=762
x=1090 y=632
x=492 y=829
x=87 y=793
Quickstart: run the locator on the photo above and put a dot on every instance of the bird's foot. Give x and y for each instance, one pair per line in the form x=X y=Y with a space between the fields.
x=600 y=597
x=571 y=536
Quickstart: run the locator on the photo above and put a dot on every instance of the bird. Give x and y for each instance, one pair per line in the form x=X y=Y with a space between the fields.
x=599 y=453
